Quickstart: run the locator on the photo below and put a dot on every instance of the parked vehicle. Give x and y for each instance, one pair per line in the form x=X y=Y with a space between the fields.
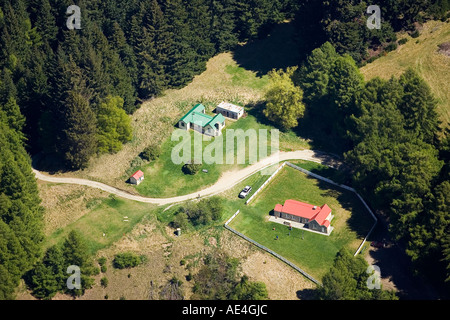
x=378 y=244
x=245 y=192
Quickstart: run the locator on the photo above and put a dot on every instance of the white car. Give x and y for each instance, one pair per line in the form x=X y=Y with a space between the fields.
x=245 y=192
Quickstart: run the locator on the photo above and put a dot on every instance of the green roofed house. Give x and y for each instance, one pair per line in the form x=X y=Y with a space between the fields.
x=201 y=122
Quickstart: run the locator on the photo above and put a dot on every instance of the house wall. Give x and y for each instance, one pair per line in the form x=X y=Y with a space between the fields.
x=183 y=125
x=134 y=181
x=228 y=113
x=290 y=217
x=313 y=225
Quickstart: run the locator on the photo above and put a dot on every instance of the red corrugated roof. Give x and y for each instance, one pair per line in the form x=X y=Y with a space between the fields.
x=305 y=210
x=278 y=207
x=137 y=174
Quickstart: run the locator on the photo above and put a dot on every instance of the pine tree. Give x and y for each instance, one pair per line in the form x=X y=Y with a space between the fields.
x=223 y=24
x=152 y=48
x=181 y=54
x=419 y=107
x=347 y=280
x=74 y=250
x=79 y=138
x=313 y=76
x=114 y=126
x=21 y=219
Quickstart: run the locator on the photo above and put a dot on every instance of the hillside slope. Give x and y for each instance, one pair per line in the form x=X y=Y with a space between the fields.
x=422 y=54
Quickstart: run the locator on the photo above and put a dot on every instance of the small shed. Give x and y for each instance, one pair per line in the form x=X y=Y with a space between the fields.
x=230 y=110
x=137 y=177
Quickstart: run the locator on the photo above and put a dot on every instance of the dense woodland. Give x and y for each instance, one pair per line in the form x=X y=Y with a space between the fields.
x=66 y=94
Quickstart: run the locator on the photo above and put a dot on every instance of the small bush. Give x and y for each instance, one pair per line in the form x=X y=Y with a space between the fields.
x=102 y=261
x=191 y=168
x=391 y=46
x=103 y=269
x=151 y=153
x=104 y=282
x=126 y=260
x=402 y=41
x=415 y=34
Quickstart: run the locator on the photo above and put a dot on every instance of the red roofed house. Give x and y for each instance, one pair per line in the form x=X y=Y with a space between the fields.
x=313 y=217
x=137 y=177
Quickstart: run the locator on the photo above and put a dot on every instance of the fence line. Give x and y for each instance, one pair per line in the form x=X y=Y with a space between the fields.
x=347 y=188
x=265 y=183
x=315 y=176
x=268 y=250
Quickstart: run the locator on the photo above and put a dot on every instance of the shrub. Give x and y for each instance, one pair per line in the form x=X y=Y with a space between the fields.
x=202 y=212
x=151 y=153
x=126 y=260
x=415 y=34
x=102 y=261
x=104 y=282
x=391 y=46
x=191 y=167
x=180 y=220
x=402 y=41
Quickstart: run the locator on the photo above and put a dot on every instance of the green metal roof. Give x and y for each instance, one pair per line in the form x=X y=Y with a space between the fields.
x=218 y=118
x=188 y=117
x=196 y=115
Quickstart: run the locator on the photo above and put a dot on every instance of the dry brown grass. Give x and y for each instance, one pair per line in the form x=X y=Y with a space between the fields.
x=65 y=204
x=164 y=251
x=282 y=282
x=421 y=54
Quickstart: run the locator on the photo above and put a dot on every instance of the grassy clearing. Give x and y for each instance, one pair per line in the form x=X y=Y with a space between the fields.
x=163 y=178
x=312 y=252
x=422 y=55
x=239 y=77
x=106 y=216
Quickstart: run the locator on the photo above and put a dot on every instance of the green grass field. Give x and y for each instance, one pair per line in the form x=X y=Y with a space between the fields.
x=310 y=251
x=106 y=216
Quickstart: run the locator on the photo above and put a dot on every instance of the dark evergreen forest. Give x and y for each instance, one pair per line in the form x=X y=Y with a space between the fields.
x=62 y=92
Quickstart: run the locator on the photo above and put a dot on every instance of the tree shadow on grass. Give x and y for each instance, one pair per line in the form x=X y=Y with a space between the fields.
x=395 y=265
x=51 y=163
x=360 y=220
x=317 y=127
x=278 y=50
x=307 y=294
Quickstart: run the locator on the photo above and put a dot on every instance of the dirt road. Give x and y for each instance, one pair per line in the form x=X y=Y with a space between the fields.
x=228 y=180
